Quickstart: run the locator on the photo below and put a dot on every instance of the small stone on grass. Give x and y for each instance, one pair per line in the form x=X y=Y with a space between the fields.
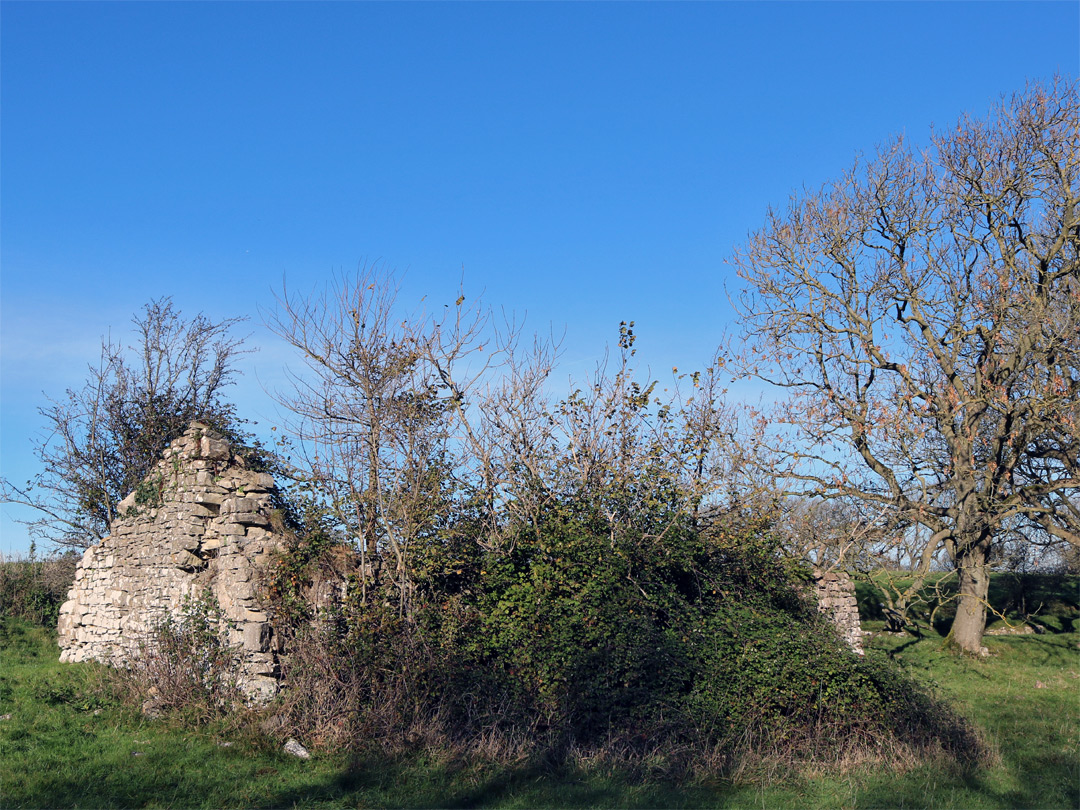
x=296 y=749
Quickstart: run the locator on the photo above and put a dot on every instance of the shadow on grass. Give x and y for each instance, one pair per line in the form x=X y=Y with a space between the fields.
x=1054 y=787
x=402 y=783
x=375 y=783
x=382 y=783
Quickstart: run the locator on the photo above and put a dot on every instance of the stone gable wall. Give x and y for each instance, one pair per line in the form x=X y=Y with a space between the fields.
x=199 y=522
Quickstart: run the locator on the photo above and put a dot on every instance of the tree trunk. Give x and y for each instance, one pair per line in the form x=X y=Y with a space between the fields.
x=970 y=622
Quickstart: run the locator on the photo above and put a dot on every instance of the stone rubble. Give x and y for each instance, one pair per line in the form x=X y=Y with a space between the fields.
x=200 y=522
x=296 y=749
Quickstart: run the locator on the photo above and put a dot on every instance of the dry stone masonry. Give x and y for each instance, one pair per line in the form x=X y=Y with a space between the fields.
x=198 y=524
x=835 y=594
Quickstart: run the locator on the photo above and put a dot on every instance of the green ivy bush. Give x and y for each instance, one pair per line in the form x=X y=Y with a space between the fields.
x=570 y=637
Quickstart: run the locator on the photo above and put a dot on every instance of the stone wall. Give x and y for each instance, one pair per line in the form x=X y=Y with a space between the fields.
x=835 y=594
x=198 y=523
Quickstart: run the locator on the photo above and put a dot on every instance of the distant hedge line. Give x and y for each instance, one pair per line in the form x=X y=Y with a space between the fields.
x=34 y=589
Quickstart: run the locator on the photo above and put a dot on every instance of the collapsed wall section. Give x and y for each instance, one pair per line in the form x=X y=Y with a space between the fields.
x=835 y=593
x=198 y=524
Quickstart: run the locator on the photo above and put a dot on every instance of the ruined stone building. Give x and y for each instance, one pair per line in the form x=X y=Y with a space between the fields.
x=199 y=524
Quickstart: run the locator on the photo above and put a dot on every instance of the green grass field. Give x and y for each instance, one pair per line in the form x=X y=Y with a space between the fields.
x=70 y=742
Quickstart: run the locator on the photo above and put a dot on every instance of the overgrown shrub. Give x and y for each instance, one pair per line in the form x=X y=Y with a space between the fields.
x=540 y=577
x=186 y=664
x=700 y=644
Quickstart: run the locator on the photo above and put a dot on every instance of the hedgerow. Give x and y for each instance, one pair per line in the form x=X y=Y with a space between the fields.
x=34 y=588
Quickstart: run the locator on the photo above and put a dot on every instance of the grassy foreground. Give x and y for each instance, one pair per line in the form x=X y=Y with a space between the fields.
x=70 y=743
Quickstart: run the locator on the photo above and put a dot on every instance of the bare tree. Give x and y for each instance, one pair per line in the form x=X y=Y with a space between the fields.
x=642 y=454
x=384 y=421
x=405 y=423
x=102 y=439
x=924 y=314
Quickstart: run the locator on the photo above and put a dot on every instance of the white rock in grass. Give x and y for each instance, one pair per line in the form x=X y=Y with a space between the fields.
x=296 y=749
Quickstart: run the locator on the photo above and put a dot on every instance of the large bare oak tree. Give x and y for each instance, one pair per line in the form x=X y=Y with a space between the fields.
x=923 y=312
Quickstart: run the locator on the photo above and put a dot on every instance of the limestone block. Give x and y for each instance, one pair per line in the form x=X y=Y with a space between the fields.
x=256 y=482
x=262 y=664
x=242 y=590
x=66 y=622
x=251 y=519
x=204 y=478
x=204 y=510
x=174 y=544
x=213 y=449
x=126 y=504
x=257 y=637
x=239 y=504
x=186 y=561
x=260 y=689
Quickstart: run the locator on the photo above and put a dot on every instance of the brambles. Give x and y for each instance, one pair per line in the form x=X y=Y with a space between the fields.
x=699 y=645
x=187 y=664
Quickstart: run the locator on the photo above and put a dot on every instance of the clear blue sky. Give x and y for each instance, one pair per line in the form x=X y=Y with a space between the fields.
x=586 y=163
